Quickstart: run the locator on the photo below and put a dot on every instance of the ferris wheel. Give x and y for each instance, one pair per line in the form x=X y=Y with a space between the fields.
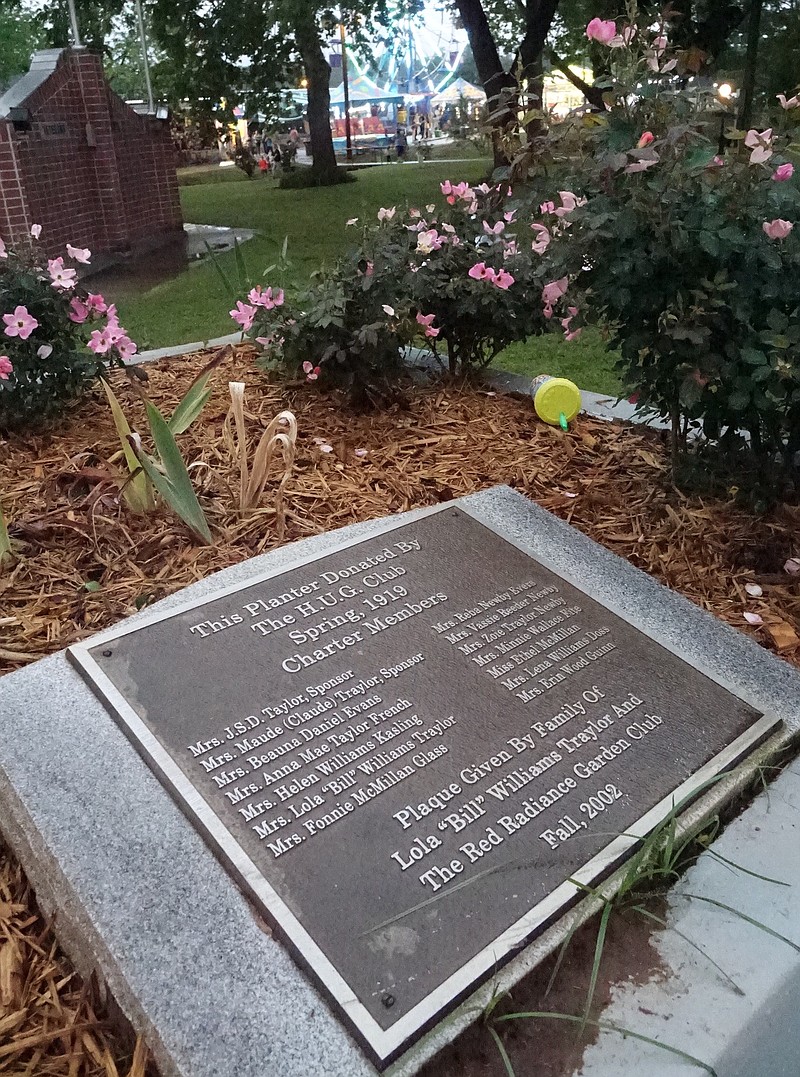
x=424 y=53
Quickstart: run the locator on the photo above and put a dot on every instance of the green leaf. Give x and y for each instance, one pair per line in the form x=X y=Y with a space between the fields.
x=137 y=491
x=223 y=276
x=738 y=401
x=611 y=1027
x=5 y=541
x=777 y=320
x=191 y=405
x=503 y=1053
x=175 y=486
x=598 y=955
x=196 y=396
x=700 y=156
x=92 y=586
x=690 y=392
x=709 y=243
x=743 y=916
x=753 y=356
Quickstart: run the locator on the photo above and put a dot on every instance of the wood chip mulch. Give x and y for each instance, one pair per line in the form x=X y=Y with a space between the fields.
x=83 y=562
x=51 y=1024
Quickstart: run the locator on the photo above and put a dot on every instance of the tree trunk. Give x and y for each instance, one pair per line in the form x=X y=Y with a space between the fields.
x=593 y=94
x=493 y=75
x=538 y=18
x=751 y=60
x=318 y=74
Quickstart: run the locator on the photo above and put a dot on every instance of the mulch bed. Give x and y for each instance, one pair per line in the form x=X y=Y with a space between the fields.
x=51 y=1023
x=69 y=530
x=60 y=495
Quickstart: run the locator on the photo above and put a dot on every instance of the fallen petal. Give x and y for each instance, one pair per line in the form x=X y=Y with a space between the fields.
x=753 y=589
x=792 y=566
x=753 y=618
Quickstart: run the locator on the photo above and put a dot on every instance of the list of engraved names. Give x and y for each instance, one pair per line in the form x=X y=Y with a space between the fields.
x=297 y=766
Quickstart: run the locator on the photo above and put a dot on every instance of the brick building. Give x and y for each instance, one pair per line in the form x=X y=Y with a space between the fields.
x=77 y=160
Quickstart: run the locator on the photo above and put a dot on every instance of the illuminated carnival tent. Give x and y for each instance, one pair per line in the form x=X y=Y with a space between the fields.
x=457 y=91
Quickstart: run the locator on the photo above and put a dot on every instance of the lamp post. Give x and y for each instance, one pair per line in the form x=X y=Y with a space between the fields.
x=73 y=21
x=346 y=88
x=145 y=61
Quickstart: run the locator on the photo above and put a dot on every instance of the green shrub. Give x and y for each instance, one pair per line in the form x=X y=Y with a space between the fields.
x=194 y=177
x=299 y=179
x=454 y=278
x=56 y=336
x=686 y=255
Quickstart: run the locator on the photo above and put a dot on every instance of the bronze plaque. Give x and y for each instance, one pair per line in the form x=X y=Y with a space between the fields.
x=407 y=748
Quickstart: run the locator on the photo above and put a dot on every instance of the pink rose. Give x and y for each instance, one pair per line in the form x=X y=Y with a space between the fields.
x=100 y=341
x=503 y=280
x=777 y=229
x=80 y=254
x=602 y=31
x=243 y=313
x=542 y=240
x=783 y=172
x=645 y=140
x=79 y=312
x=6 y=367
x=760 y=142
x=553 y=291
x=20 y=324
x=96 y=303
x=480 y=271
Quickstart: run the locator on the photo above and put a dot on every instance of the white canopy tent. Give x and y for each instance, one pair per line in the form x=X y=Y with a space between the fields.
x=457 y=90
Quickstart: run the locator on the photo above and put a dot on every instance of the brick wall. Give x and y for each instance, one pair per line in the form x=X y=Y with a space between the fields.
x=89 y=169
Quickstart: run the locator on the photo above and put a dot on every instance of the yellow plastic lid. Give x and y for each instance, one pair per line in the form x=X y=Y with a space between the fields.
x=557 y=397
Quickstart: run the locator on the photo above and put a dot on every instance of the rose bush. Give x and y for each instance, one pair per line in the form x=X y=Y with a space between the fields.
x=682 y=246
x=453 y=277
x=55 y=336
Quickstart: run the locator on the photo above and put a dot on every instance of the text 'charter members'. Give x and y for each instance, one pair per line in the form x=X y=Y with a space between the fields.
x=317 y=601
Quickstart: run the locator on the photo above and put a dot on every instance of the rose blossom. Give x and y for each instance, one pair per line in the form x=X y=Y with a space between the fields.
x=601 y=30
x=760 y=142
x=777 y=229
x=783 y=172
x=542 y=240
x=243 y=313
x=80 y=254
x=480 y=271
x=20 y=324
x=503 y=280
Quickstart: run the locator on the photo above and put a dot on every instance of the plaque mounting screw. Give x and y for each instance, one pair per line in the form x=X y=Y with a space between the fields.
x=388 y=1001
x=107 y=654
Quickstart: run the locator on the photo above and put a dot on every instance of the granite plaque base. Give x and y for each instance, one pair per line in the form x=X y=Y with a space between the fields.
x=413 y=749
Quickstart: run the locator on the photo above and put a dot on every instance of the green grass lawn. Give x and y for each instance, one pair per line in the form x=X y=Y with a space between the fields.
x=194 y=305
x=585 y=361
